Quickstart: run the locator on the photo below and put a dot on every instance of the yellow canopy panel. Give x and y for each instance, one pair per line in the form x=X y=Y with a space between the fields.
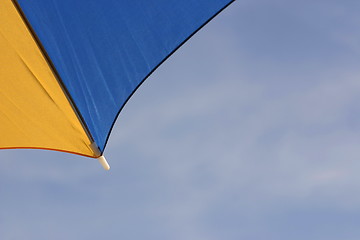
x=34 y=111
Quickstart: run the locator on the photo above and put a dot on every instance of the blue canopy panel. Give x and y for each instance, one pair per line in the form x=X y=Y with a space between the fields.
x=104 y=49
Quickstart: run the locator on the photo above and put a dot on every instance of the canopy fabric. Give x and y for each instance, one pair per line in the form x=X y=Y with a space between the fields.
x=68 y=67
x=34 y=112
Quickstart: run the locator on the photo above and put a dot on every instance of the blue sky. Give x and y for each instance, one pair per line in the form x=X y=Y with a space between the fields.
x=249 y=131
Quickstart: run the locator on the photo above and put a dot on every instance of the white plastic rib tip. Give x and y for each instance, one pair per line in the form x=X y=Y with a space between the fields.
x=103 y=163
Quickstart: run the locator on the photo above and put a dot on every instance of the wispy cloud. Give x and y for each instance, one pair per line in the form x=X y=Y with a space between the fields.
x=251 y=131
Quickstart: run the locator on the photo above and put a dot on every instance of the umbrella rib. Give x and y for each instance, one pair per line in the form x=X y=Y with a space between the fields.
x=53 y=69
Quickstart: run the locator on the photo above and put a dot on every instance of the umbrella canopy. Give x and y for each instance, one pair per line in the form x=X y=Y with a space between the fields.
x=68 y=67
